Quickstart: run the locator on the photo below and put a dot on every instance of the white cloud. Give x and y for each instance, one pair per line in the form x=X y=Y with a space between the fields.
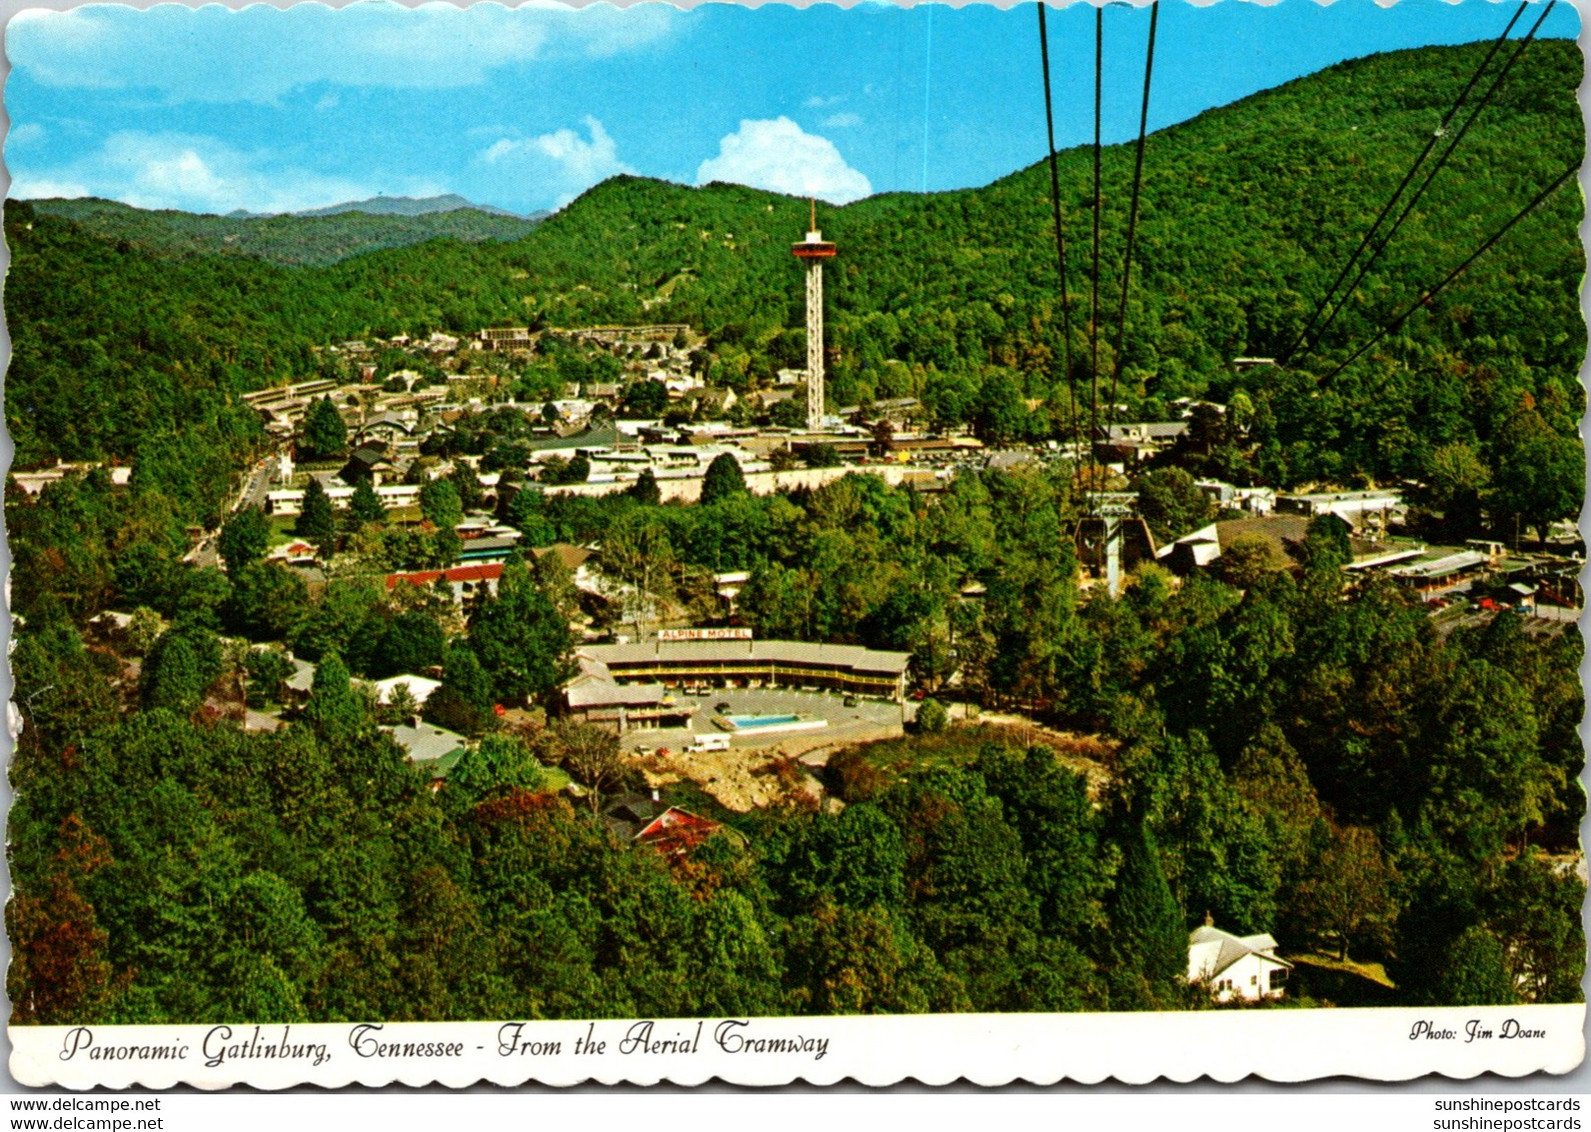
x=25 y=134
x=196 y=174
x=555 y=167
x=842 y=121
x=780 y=156
x=819 y=101
x=24 y=187
x=213 y=54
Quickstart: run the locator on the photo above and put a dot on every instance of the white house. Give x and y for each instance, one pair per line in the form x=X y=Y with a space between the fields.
x=420 y=687
x=1236 y=967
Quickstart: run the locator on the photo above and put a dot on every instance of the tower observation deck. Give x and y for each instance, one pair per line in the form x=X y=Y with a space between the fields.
x=814 y=250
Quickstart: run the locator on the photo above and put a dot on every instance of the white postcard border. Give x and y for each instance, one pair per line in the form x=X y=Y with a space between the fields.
x=1281 y=1045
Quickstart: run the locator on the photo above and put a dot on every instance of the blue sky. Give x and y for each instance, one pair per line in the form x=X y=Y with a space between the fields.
x=209 y=109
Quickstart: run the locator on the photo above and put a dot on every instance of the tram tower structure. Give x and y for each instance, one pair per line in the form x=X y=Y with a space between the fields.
x=813 y=251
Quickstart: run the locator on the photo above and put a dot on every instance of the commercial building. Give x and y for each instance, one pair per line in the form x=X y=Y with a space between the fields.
x=753 y=664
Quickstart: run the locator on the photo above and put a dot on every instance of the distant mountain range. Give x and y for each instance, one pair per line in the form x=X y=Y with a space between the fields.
x=316 y=237
x=397 y=206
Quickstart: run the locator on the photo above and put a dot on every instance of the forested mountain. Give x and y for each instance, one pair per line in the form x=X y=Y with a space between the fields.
x=1248 y=212
x=320 y=236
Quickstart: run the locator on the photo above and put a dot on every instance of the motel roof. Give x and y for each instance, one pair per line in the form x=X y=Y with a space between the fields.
x=592 y=691
x=1441 y=567
x=852 y=657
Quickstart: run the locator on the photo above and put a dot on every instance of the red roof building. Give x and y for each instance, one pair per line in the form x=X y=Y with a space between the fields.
x=465 y=580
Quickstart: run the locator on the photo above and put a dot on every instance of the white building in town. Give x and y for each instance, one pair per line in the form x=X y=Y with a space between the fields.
x=1244 y=968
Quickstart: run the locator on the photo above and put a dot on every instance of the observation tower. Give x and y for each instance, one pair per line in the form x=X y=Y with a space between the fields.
x=814 y=251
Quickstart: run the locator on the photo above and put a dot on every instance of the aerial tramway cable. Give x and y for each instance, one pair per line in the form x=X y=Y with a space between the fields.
x=1093 y=319
x=1428 y=295
x=1060 y=231
x=1441 y=161
x=1132 y=212
x=1408 y=178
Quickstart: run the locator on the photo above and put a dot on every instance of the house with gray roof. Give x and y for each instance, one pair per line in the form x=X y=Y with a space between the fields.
x=1236 y=968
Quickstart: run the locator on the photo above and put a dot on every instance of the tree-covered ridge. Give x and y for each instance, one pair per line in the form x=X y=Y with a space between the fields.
x=1248 y=213
x=321 y=237
x=1305 y=755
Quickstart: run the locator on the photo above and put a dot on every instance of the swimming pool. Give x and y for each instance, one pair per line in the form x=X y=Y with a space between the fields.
x=771 y=722
x=751 y=722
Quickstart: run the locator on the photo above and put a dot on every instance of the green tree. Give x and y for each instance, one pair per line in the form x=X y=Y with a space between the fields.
x=1540 y=473
x=1148 y=938
x=724 y=480
x=244 y=538
x=1248 y=560
x=464 y=701
x=315 y=521
x=931 y=717
x=268 y=602
x=497 y=761
x=1475 y=973
x=178 y=670
x=439 y=503
x=521 y=639
x=645 y=490
x=268 y=670
x=644 y=400
x=1171 y=503
x=335 y=712
x=1347 y=894
x=410 y=643
x=365 y=506
x=323 y=435
x=789 y=413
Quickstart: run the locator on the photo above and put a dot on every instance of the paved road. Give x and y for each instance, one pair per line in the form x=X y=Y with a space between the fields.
x=252 y=494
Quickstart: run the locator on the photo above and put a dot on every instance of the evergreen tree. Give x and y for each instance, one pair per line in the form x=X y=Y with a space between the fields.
x=1148 y=939
x=365 y=506
x=323 y=435
x=1476 y=973
x=724 y=479
x=334 y=711
x=316 y=521
x=645 y=490
x=464 y=701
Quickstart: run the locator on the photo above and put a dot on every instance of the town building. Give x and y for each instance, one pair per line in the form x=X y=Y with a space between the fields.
x=750 y=663
x=1236 y=968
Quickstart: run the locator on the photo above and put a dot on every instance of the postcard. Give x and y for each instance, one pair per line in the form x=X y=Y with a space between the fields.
x=653 y=544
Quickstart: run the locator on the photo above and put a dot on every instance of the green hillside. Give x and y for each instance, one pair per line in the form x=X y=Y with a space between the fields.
x=1248 y=211
x=321 y=237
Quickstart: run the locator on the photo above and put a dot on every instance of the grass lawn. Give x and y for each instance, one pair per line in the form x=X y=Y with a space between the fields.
x=281 y=530
x=1341 y=982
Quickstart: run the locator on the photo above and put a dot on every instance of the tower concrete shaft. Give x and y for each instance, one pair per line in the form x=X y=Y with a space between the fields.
x=814 y=250
x=814 y=344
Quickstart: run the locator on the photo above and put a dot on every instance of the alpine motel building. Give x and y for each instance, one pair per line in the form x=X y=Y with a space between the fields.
x=727 y=658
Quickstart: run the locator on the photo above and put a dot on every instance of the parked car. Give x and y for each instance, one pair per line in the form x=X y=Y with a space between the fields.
x=722 y=707
x=850 y=701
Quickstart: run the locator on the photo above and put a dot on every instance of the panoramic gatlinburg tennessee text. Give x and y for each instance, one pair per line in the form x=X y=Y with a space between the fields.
x=704 y=601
